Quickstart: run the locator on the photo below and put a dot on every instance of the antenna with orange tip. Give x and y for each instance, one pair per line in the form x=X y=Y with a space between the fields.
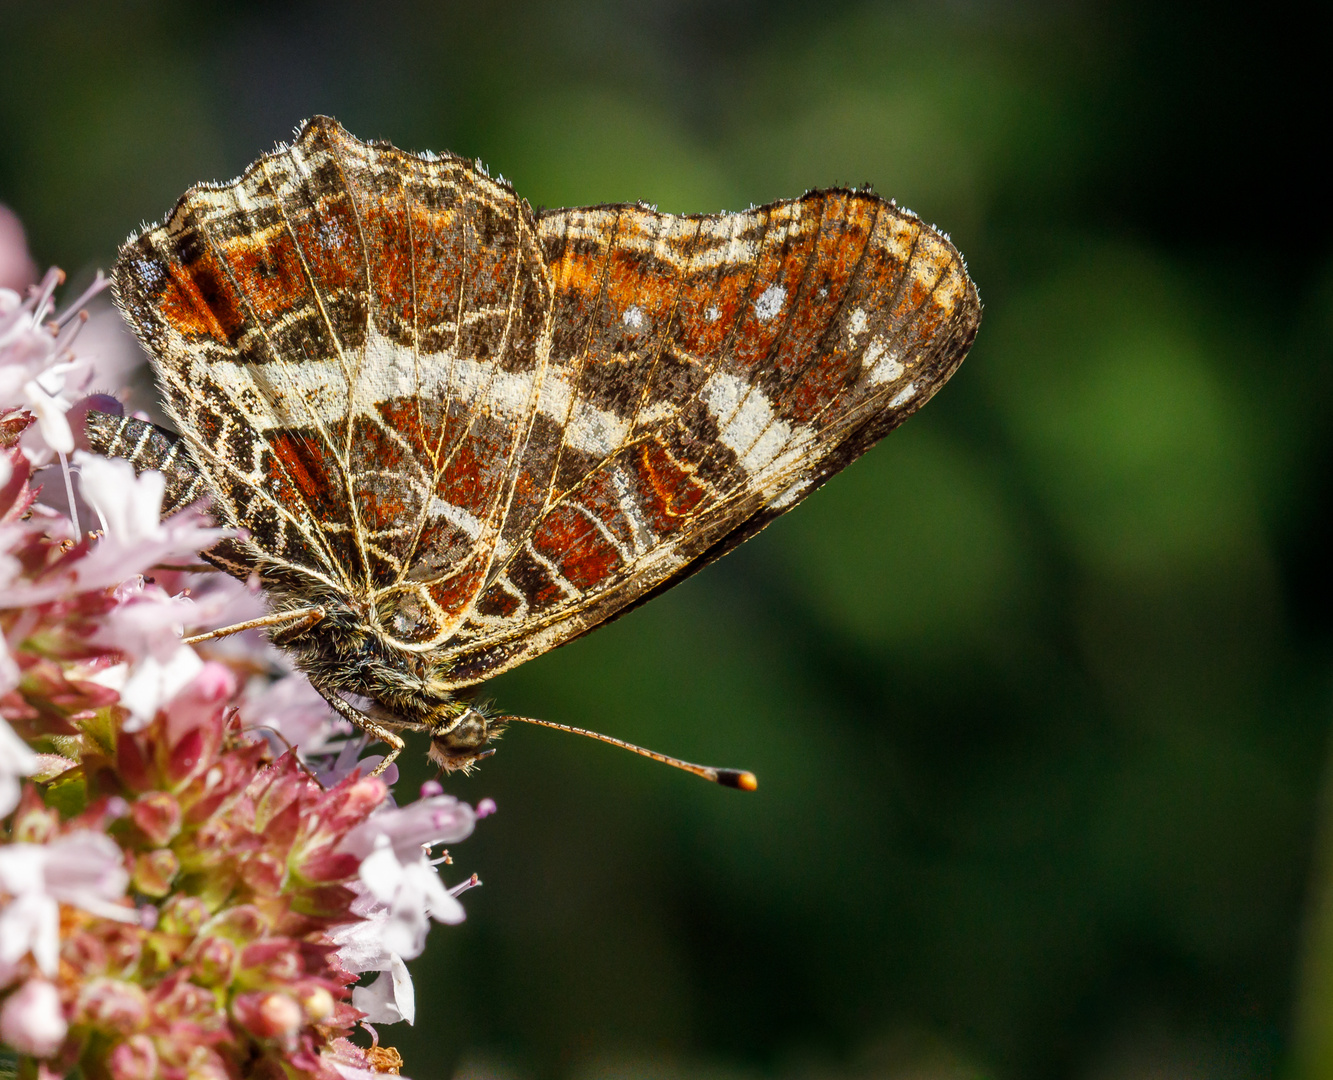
x=742 y=779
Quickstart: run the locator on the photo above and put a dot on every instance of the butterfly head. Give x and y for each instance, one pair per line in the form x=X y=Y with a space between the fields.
x=458 y=740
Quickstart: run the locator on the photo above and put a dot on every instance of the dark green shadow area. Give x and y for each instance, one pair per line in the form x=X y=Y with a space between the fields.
x=1037 y=692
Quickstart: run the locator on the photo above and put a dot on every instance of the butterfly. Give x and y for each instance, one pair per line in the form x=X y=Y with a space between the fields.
x=455 y=432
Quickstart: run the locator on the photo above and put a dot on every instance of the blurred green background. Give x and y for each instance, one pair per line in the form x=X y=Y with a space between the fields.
x=1038 y=692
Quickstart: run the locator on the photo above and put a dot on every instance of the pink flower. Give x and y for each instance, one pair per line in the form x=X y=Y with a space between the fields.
x=17 y=270
x=31 y=1020
x=146 y=621
x=129 y=508
x=84 y=869
x=439 y=819
x=16 y=758
x=36 y=362
x=262 y=891
x=293 y=712
x=400 y=892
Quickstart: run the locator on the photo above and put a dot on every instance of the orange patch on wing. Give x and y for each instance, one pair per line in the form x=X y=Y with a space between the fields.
x=390 y=271
x=453 y=594
x=437 y=242
x=270 y=275
x=779 y=273
x=313 y=472
x=667 y=491
x=331 y=245
x=582 y=552
x=709 y=307
x=199 y=301
x=577 y=272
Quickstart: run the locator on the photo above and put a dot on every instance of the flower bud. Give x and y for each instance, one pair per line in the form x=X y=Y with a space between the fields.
x=318 y=1004
x=179 y=1001
x=268 y=1015
x=274 y=960
x=214 y=960
x=155 y=870
x=242 y=923
x=113 y=1006
x=124 y=946
x=34 y=824
x=183 y=916
x=205 y=1064
x=132 y=763
x=84 y=952
x=134 y=1059
x=158 y=816
x=264 y=872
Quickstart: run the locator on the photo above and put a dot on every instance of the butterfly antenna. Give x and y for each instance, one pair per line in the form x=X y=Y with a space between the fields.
x=742 y=779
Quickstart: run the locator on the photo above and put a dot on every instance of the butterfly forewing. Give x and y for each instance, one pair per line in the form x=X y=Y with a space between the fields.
x=351 y=339
x=493 y=430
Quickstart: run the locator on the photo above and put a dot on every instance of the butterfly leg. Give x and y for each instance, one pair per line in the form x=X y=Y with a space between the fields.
x=366 y=724
x=290 y=621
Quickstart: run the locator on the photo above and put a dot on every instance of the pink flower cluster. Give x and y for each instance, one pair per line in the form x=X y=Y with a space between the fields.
x=180 y=895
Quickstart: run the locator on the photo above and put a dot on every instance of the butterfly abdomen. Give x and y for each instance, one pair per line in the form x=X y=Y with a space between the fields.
x=147 y=446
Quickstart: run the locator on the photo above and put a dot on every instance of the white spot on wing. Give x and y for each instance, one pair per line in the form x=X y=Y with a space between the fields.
x=713 y=313
x=857 y=323
x=748 y=425
x=656 y=413
x=791 y=495
x=770 y=302
x=644 y=539
x=595 y=431
x=466 y=523
x=884 y=361
x=906 y=394
x=633 y=317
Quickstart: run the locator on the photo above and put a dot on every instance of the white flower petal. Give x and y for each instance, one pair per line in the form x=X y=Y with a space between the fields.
x=30 y=924
x=152 y=684
x=382 y=873
x=16 y=757
x=31 y=1020
x=389 y=998
x=50 y=413
x=440 y=819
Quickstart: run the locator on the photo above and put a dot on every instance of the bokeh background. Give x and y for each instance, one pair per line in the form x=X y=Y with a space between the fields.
x=1039 y=692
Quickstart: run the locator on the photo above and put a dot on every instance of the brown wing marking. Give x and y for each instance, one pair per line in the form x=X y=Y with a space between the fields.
x=759 y=396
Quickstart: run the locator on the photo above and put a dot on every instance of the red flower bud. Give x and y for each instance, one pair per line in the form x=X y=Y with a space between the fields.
x=154 y=871
x=113 y=1006
x=134 y=1059
x=268 y=1015
x=158 y=817
x=214 y=960
x=272 y=960
x=182 y=915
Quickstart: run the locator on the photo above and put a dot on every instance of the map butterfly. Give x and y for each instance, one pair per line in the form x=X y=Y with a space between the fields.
x=455 y=432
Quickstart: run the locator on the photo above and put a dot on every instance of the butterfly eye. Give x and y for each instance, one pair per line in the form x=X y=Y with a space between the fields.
x=456 y=740
x=468 y=729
